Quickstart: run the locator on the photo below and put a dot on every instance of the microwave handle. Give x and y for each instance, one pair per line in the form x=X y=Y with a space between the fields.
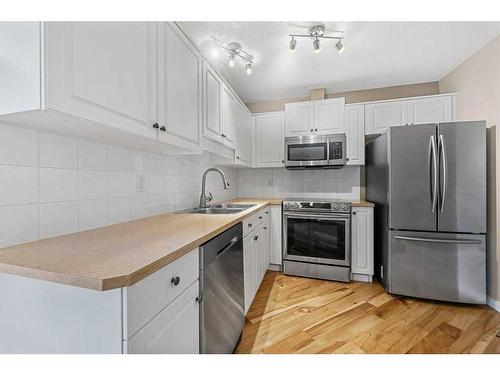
x=327 y=151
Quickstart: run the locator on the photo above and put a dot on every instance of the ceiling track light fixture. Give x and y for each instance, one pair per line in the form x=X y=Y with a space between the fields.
x=316 y=33
x=234 y=50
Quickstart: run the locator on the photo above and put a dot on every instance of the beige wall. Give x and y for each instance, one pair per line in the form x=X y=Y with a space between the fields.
x=382 y=93
x=477 y=83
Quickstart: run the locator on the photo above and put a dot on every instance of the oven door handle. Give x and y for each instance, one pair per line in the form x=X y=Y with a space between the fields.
x=317 y=216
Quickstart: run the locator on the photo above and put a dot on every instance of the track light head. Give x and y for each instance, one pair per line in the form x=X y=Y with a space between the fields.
x=292 y=45
x=231 y=60
x=316 y=45
x=340 y=47
x=249 y=69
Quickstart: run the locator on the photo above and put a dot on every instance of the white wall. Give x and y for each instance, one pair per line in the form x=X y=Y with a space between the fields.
x=283 y=183
x=52 y=185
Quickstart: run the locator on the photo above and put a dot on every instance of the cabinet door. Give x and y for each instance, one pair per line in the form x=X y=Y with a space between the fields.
x=266 y=236
x=269 y=140
x=212 y=124
x=179 y=73
x=104 y=72
x=229 y=117
x=175 y=330
x=299 y=119
x=275 y=250
x=355 y=134
x=244 y=138
x=362 y=240
x=249 y=269
x=329 y=116
x=380 y=116
x=430 y=110
x=259 y=237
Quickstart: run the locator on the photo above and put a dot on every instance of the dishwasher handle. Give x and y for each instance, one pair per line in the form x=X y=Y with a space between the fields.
x=228 y=246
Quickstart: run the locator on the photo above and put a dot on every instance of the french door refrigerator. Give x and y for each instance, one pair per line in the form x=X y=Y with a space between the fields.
x=428 y=183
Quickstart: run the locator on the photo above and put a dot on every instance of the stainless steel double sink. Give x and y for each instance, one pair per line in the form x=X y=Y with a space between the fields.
x=221 y=209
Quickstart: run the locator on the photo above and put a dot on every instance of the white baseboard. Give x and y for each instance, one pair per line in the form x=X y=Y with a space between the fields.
x=361 y=277
x=493 y=303
x=274 y=267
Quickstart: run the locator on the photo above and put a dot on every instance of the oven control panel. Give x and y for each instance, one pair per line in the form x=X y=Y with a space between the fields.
x=318 y=206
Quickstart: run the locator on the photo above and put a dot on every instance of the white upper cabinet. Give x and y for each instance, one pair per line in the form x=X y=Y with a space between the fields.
x=299 y=119
x=328 y=116
x=212 y=122
x=429 y=110
x=100 y=72
x=355 y=133
x=229 y=117
x=179 y=91
x=315 y=117
x=108 y=81
x=382 y=115
x=244 y=137
x=269 y=139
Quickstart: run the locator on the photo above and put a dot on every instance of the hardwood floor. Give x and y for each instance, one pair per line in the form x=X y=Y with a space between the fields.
x=299 y=315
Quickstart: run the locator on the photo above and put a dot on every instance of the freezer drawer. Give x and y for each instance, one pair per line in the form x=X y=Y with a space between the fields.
x=447 y=267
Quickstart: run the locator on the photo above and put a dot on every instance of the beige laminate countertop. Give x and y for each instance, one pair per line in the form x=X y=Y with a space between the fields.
x=120 y=255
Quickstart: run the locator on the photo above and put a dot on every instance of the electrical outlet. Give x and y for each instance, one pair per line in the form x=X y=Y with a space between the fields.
x=140 y=183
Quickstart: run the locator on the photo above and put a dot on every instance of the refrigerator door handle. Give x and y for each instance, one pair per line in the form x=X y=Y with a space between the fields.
x=442 y=149
x=433 y=171
x=438 y=240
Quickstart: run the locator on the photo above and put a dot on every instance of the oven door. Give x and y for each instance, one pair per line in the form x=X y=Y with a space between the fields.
x=317 y=238
x=306 y=152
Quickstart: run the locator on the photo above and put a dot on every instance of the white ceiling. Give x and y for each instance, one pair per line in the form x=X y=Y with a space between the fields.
x=377 y=54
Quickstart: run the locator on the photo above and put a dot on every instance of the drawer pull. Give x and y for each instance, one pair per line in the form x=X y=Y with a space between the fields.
x=249 y=225
x=260 y=217
x=175 y=280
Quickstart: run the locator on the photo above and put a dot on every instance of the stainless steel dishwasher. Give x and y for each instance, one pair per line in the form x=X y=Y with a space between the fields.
x=222 y=313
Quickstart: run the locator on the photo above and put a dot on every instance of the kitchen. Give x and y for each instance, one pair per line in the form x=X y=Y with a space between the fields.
x=169 y=204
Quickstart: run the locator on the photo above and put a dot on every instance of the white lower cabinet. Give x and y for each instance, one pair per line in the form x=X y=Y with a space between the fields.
x=275 y=241
x=362 y=243
x=256 y=253
x=175 y=330
x=248 y=270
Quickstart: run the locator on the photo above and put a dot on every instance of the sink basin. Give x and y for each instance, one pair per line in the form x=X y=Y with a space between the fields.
x=221 y=209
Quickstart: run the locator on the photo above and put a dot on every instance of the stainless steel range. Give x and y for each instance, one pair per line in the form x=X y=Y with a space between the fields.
x=316 y=238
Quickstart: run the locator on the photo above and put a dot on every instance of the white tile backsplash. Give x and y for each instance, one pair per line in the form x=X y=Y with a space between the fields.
x=57 y=151
x=18 y=185
x=92 y=185
x=58 y=218
x=92 y=214
x=19 y=224
x=57 y=185
x=52 y=185
x=92 y=156
x=18 y=146
x=281 y=183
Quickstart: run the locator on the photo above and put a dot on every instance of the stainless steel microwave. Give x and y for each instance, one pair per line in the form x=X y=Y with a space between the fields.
x=315 y=151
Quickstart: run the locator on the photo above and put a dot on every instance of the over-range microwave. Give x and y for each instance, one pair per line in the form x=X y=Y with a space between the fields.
x=315 y=151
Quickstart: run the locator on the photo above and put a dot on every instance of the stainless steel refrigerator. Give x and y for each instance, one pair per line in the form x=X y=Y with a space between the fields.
x=428 y=183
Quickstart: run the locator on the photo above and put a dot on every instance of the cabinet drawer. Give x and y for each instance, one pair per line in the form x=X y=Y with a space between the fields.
x=142 y=301
x=175 y=330
x=261 y=216
x=248 y=225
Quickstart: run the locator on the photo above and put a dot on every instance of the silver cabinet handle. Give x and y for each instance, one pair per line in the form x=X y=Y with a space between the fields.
x=175 y=280
x=433 y=171
x=437 y=240
x=442 y=148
